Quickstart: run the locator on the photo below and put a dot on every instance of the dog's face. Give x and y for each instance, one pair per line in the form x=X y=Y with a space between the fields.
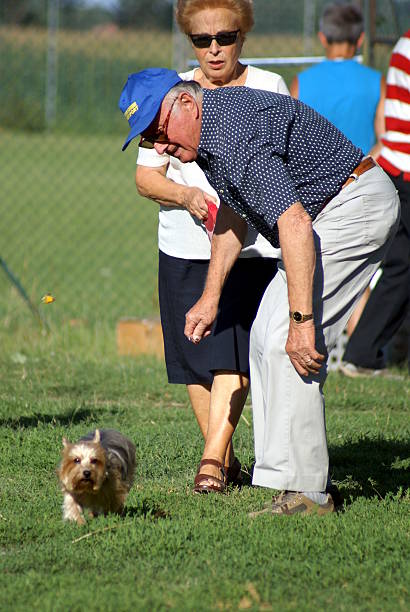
x=83 y=466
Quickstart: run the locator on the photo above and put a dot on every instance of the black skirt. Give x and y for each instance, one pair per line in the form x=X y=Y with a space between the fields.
x=181 y=282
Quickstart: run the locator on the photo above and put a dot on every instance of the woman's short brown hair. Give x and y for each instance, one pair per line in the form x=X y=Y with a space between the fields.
x=185 y=9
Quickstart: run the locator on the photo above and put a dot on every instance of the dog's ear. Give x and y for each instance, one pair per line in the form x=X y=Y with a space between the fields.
x=97 y=436
x=65 y=442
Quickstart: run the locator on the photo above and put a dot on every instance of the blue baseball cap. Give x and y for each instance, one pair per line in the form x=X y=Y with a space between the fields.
x=142 y=96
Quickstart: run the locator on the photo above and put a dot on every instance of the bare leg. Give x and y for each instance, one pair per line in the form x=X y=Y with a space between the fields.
x=357 y=312
x=200 y=397
x=228 y=397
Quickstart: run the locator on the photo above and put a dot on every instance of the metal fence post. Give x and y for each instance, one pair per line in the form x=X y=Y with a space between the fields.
x=309 y=10
x=180 y=49
x=52 y=67
x=370 y=30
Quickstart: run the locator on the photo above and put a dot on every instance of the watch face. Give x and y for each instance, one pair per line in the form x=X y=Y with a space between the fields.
x=297 y=316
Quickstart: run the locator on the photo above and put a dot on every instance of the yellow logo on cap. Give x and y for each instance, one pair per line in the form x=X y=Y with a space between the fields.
x=131 y=110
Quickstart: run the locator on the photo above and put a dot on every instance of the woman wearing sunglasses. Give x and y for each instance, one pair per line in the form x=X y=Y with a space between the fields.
x=216 y=372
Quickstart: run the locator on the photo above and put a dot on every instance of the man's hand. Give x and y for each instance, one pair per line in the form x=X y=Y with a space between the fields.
x=227 y=241
x=300 y=347
x=299 y=258
x=199 y=319
x=194 y=200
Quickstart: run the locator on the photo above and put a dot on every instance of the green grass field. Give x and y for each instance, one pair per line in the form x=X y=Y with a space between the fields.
x=72 y=224
x=175 y=550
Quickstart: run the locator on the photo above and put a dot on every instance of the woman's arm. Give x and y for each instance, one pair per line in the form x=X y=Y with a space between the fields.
x=153 y=183
x=379 y=121
x=294 y=87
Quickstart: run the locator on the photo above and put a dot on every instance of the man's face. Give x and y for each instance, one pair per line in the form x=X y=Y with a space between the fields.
x=176 y=129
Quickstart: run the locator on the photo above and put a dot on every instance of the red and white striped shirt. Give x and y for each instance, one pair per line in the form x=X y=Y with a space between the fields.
x=395 y=154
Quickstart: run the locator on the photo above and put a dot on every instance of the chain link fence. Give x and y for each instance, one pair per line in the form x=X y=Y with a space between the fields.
x=71 y=221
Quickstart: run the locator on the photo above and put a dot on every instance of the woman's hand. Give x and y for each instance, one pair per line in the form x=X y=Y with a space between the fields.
x=153 y=183
x=194 y=200
x=300 y=347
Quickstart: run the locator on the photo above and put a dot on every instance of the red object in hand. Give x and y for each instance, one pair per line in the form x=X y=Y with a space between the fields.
x=210 y=222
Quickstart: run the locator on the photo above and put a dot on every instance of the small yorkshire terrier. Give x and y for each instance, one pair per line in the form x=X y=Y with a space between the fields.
x=97 y=473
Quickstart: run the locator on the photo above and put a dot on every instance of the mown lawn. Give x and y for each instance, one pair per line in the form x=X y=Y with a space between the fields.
x=175 y=550
x=72 y=224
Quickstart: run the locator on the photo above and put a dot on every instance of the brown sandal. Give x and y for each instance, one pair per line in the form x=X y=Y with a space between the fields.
x=234 y=474
x=217 y=485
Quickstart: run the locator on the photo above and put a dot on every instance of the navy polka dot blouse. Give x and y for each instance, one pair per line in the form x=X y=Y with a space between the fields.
x=264 y=151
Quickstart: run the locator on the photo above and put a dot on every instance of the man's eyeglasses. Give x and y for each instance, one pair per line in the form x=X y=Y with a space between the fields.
x=203 y=41
x=148 y=142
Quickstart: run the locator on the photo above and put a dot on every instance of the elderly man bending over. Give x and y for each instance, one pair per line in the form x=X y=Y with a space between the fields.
x=282 y=168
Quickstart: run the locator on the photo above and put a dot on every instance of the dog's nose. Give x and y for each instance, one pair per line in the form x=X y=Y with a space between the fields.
x=87 y=473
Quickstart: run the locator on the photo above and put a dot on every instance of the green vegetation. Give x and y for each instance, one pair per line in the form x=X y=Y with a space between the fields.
x=92 y=68
x=73 y=225
x=174 y=549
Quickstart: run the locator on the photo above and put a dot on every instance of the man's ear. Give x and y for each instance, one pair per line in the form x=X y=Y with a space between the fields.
x=323 y=40
x=188 y=103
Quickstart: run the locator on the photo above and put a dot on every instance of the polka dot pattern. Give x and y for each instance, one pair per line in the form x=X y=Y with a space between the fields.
x=263 y=151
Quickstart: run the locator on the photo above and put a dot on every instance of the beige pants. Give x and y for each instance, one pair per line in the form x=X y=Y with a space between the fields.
x=351 y=234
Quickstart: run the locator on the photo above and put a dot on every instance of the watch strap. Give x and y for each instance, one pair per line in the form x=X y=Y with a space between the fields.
x=299 y=317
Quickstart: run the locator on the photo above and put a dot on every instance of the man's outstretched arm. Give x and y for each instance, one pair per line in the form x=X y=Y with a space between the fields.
x=299 y=258
x=227 y=241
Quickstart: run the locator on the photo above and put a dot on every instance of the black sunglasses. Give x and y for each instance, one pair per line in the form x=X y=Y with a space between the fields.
x=203 y=41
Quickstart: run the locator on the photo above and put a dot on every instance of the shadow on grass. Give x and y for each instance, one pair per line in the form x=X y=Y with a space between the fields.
x=71 y=417
x=147 y=510
x=371 y=467
x=247 y=471
x=367 y=467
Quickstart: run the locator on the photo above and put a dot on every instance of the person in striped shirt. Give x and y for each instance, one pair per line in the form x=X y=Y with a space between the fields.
x=388 y=305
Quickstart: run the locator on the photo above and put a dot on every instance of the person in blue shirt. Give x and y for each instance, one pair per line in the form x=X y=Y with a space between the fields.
x=282 y=168
x=348 y=94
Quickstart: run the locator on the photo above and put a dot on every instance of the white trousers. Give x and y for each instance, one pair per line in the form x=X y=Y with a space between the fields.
x=352 y=234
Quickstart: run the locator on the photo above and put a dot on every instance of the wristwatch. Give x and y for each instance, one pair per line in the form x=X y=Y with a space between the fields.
x=298 y=317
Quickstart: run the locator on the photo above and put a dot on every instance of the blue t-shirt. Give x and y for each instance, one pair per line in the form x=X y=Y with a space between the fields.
x=263 y=151
x=347 y=94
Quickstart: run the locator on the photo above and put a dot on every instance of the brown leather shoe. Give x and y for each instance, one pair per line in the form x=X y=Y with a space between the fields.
x=204 y=483
x=291 y=502
x=333 y=491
